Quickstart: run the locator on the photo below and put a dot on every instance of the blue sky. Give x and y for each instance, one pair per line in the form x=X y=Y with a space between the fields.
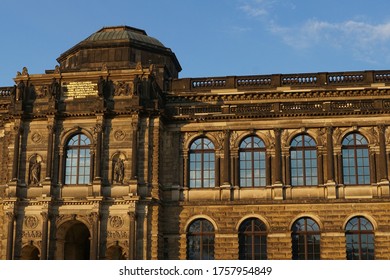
x=209 y=37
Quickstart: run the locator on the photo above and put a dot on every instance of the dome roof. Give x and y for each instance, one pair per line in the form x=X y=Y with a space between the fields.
x=118 y=47
x=123 y=33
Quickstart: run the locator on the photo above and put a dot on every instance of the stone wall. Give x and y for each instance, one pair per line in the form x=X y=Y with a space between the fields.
x=279 y=217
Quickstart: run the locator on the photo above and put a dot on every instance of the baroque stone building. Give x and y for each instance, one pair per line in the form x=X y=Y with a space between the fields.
x=112 y=156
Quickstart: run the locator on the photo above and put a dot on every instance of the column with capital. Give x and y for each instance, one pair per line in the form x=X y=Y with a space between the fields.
x=13 y=184
x=383 y=180
x=278 y=157
x=46 y=186
x=45 y=226
x=330 y=186
x=132 y=236
x=94 y=218
x=50 y=144
x=10 y=234
x=98 y=134
x=15 y=166
x=226 y=184
x=277 y=186
x=134 y=162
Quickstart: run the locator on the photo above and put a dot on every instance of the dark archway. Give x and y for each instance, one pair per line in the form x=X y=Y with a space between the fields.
x=30 y=252
x=77 y=242
x=115 y=253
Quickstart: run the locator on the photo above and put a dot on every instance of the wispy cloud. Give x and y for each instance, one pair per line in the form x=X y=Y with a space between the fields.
x=365 y=41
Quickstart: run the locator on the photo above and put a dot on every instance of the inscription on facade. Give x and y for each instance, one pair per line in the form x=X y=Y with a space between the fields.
x=117 y=234
x=31 y=234
x=79 y=89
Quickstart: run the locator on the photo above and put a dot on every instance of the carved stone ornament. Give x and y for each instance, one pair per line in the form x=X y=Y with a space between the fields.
x=41 y=91
x=123 y=88
x=233 y=138
x=119 y=135
x=31 y=222
x=36 y=137
x=116 y=222
x=117 y=234
x=31 y=234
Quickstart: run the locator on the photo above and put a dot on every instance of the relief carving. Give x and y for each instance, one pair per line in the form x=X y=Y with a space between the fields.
x=117 y=234
x=123 y=88
x=36 y=137
x=116 y=221
x=233 y=139
x=41 y=91
x=31 y=222
x=119 y=135
x=31 y=234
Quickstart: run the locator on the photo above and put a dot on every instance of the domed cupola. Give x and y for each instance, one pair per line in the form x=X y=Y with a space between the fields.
x=118 y=47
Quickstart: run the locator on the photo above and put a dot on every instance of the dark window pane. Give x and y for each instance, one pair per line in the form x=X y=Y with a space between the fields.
x=359 y=238
x=200 y=240
x=252 y=240
x=305 y=240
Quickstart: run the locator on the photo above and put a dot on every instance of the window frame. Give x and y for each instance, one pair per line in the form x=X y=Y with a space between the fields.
x=202 y=162
x=302 y=160
x=257 y=156
x=359 y=233
x=359 y=162
x=251 y=230
x=296 y=240
x=205 y=237
x=75 y=171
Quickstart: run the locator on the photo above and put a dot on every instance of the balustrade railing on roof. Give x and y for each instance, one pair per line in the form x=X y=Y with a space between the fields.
x=5 y=91
x=307 y=80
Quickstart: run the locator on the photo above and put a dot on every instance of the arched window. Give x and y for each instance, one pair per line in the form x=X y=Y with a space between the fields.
x=303 y=159
x=78 y=160
x=252 y=238
x=200 y=240
x=252 y=162
x=359 y=235
x=202 y=164
x=305 y=239
x=356 y=163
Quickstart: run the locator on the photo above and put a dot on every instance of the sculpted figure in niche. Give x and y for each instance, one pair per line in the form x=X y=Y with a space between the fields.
x=19 y=90
x=35 y=172
x=54 y=89
x=101 y=86
x=119 y=171
x=137 y=86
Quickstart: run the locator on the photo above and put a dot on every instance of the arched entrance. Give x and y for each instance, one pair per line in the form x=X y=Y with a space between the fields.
x=73 y=241
x=77 y=243
x=115 y=253
x=30 y=252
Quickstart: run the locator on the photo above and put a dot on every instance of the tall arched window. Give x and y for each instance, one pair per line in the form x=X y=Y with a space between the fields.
x=202 y=164
x=78 y=160
x=303 y=159
x=252 y=162
x=252 y=238
x=200 y=240
x=356 y=163
x=305 y=239
x=359 y=235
